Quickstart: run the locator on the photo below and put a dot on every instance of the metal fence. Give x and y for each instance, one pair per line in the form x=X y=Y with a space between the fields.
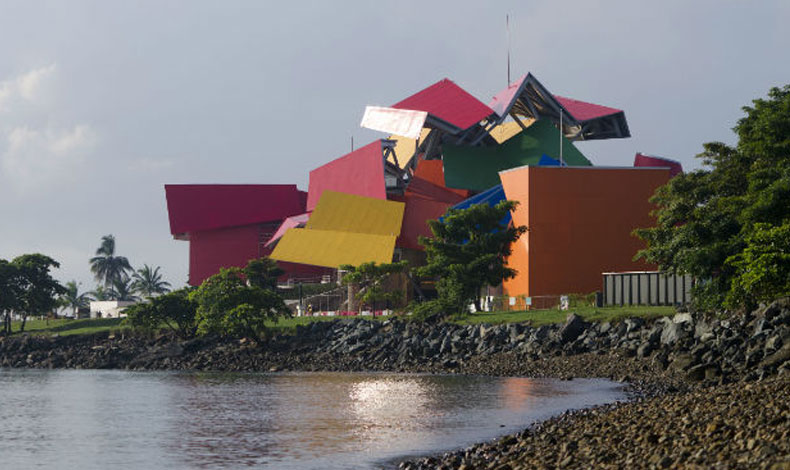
x=535 y=302
x=646 y=288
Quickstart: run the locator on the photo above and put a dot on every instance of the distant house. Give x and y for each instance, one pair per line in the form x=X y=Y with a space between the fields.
x=109 y=308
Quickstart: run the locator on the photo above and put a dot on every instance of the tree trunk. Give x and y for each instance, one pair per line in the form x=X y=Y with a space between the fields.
x=22 y=326
x=351 y=297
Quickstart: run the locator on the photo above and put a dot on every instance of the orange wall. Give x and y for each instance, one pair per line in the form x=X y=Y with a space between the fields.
x=580 y=222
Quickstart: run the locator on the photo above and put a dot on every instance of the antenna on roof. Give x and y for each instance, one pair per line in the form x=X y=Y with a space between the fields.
x=507 y=26
x=352 y=143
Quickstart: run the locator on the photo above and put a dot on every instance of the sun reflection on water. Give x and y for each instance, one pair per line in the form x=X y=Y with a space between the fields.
x=398 y=403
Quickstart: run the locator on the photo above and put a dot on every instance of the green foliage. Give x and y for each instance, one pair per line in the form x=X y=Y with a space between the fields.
x=106 y=267
x=372 y=281
x=35 y=291
x=763 y=267
x=148 y=282
x=10 y=286
x=724 y=224
x=101 y=293
x=308 y=290
x=427 y=310
x=229 y=306
x=263 y=272
x=468 y=251
x=175 y=310
x=71 y=298
x=122 y=290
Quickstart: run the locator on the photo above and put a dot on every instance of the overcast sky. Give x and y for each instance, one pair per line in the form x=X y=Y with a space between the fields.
x=104 y=102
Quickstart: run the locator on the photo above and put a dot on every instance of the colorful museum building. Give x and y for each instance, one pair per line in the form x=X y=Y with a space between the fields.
x=442 y=148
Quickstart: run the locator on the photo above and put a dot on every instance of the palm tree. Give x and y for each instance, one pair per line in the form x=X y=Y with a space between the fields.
x=101 y=293
x=148 y=282
x=106 y=267
x=73 y=299
x=122 y=290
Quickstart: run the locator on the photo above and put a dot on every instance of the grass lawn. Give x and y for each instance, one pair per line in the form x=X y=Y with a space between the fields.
x=545 y=317
x=65 y=327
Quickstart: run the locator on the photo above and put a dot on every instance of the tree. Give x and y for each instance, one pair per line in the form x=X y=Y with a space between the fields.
x=106 y=267
x=10 y=284
x=763 y=267
x=175 y=310
x=263 y=272
x=38 y=291
x=121 y=290
x=71 y=298
x=101 y=293
x=724 y=224
x=227 y=305
x=468 y=251
x=148 y=282
x=371 y=281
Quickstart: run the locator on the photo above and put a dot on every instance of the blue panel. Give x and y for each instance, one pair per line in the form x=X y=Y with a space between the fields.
x=546 y=160
x=491 y=196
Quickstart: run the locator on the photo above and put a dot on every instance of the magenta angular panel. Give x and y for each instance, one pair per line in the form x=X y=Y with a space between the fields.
x=448 y=102
x=360 y=172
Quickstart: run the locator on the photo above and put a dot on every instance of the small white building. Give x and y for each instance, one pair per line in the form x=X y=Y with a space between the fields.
x=109 y=308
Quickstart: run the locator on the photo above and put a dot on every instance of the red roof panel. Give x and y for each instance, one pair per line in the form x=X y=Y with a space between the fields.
x=579 y=110
x=584 y=111
x=642 y=160
x=198 y=207
x=360 y=172
x=448 y=102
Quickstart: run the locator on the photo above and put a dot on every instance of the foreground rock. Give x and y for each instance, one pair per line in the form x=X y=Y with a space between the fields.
x=731 y=426
x=687 y=348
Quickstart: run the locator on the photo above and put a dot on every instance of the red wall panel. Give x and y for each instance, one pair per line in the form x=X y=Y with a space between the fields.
x=199 y=207
x=213 y=249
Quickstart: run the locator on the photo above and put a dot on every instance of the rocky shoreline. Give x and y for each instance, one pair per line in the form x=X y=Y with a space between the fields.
x=711 y=391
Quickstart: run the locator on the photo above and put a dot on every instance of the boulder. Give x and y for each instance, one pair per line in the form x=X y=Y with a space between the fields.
x=671 y=332
x=645 y=349
x=573 y=328
x=683 y=361
x=633 y=324
x=778 y=358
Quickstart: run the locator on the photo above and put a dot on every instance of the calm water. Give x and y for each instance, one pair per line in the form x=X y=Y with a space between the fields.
x=171 y=420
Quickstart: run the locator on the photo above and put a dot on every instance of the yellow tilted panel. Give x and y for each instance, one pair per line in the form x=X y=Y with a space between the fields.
x=405 y=147
x=508 y=129
x=351 y=213
x=331 y=248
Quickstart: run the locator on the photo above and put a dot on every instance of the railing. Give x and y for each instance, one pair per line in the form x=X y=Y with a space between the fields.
x=646 y=288
x=535 y=302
